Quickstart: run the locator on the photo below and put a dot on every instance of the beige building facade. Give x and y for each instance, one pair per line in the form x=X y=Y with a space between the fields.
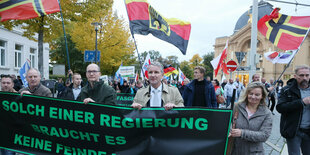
x=240 y=41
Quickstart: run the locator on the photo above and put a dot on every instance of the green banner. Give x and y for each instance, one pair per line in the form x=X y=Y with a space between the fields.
x=41 y=125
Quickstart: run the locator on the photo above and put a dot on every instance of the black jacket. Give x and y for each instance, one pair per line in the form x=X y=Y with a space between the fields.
x=290 y=106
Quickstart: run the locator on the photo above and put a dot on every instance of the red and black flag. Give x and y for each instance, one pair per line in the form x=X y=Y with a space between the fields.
x=285 y=32
x=27 y=9
x=144 y=19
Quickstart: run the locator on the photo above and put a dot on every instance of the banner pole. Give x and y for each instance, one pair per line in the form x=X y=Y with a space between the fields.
x=274 y=83
x=65 y=37
x=135 y=45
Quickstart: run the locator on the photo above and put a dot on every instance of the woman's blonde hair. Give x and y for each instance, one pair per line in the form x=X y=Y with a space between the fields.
x=250 y=87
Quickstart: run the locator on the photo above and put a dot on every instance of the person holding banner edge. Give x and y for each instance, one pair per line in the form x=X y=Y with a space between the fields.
x=96 y=90
x=157 y=94
x=253 y=123
x=33 y=78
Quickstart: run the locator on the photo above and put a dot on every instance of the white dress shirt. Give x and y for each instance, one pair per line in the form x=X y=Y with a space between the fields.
x=155 y=100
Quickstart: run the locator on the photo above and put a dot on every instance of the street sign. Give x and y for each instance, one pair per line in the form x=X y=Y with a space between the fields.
x=89 y=56
x=231 y=66
x=240 y=56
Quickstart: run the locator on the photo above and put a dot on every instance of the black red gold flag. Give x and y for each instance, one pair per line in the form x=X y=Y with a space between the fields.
x=144 y=19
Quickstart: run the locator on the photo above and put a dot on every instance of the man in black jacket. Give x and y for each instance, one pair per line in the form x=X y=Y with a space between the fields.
x=96 y=90
x=294 y=106
x=72 y=92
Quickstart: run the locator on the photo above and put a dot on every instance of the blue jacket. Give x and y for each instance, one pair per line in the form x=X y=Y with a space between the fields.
x=210 y=97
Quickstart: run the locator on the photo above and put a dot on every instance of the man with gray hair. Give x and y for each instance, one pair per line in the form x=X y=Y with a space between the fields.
x=33 y=78
x=157 y=94
x=294 y=106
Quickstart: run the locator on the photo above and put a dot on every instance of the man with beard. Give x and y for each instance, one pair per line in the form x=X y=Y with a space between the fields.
x=157 y=94
x=96 y=90
x=294 y=106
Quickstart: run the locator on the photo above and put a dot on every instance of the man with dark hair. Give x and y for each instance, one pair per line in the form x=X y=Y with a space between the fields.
x=157 y=94
x=199 y=92
x=7 y=84
x=255 y=77
x=294 y=106
x=33 y=78
x=74 y=89
x=96 y=90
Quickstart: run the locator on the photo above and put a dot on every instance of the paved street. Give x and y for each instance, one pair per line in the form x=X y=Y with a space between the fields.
x=275 y=145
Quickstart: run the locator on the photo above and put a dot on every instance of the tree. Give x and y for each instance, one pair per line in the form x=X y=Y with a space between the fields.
x=186 y=69
x=173 y=60
x=76 y=56
x=207 y=63
x=49 y=27
x=195 y=61
x=155 y=55
x=113 y=40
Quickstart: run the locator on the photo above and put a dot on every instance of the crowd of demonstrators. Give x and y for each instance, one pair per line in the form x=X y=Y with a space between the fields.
x=199 y=92
x=157 y=94
x=254 y=121
x=294 y=106
x=95 y=90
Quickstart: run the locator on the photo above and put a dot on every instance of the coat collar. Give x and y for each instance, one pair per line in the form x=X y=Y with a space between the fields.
x=260 y=111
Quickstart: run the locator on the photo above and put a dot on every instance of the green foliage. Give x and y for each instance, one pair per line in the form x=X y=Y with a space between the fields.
x=187 y=70
x=207 y=63
x=59 y=55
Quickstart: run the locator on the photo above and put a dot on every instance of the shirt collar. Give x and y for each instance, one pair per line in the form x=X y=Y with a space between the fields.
x=158 y=89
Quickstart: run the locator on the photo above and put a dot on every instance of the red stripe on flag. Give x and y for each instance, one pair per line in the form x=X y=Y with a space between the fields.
x=24 y=11
x=287 y=41
x=169 y=69
x=300 y=20
x=182 y=30
x=50 y=6
x=138 y=11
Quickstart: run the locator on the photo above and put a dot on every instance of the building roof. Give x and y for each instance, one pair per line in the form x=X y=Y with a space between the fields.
x=264 y=8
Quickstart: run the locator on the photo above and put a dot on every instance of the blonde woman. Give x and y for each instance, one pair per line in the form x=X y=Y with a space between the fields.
x=254 y=122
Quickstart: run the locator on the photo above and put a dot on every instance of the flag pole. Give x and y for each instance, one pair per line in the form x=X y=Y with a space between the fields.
x=63 y=27
x=274 y=83
x=135 y=44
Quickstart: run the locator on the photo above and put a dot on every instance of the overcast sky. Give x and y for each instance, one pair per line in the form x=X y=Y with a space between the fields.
x=209 y=19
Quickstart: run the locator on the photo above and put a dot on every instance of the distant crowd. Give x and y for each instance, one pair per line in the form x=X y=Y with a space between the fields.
x=253 y=110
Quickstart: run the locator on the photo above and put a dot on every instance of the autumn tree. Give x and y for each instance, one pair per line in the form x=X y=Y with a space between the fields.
x=154 y=55
x=76 y=56
x=49 y=27
x=186 y=69
x=196 y=60
x=114 y=41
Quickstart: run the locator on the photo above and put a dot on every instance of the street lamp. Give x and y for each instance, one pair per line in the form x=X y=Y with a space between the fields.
x=97 y=25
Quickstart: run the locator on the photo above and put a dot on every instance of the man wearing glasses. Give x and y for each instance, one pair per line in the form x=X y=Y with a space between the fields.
x=294 y=106
x=96 y=90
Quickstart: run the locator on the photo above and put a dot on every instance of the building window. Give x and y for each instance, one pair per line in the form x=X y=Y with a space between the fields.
x=32 y=57
x=2 y=53
x=18 y=55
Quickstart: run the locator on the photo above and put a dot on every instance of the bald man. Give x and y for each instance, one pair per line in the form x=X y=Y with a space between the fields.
x=96 y=90
x=33 y=78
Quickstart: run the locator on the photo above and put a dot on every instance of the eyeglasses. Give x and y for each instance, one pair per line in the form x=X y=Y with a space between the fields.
x=94 y=71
